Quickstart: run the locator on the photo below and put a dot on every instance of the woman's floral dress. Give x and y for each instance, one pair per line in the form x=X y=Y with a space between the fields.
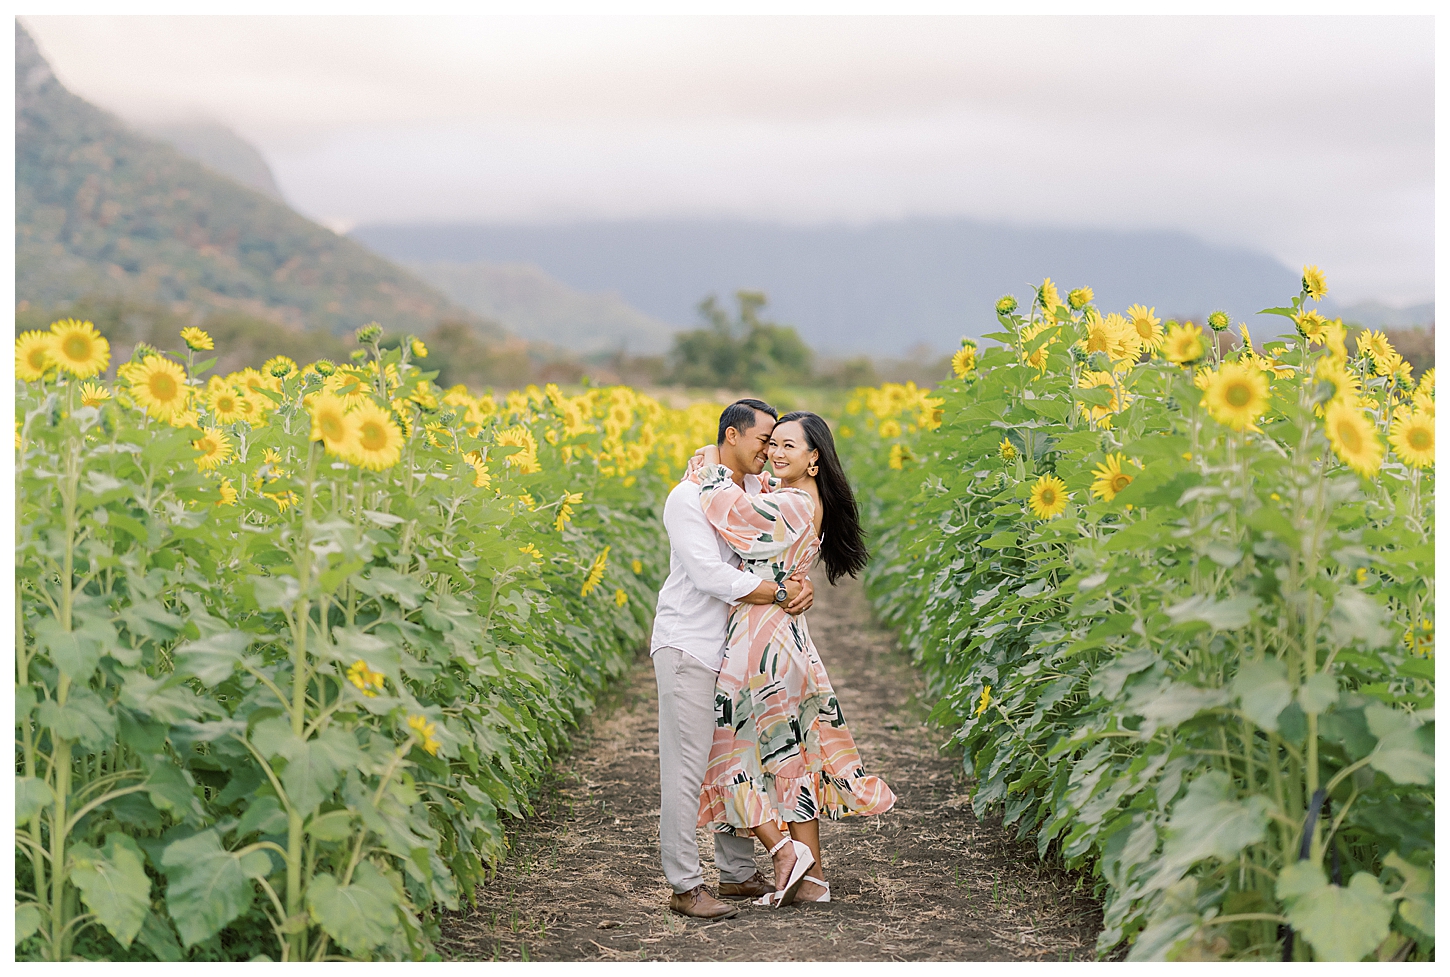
x=782 y=751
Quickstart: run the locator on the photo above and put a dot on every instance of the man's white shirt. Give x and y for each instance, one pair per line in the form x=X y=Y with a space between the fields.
x=705 y=580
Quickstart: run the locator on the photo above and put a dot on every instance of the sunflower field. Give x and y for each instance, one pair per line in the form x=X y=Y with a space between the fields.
x=291 y=642
x=1174 y=591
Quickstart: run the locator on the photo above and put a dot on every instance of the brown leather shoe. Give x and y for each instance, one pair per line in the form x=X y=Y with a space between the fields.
x=751 y=888
x=700 y=904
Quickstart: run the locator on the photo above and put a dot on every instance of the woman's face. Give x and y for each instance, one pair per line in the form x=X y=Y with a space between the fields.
x=790 y=455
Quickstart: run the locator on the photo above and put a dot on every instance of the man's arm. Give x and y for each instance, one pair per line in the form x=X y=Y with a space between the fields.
x=693 y=541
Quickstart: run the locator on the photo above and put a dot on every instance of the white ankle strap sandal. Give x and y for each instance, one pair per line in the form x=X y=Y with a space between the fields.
x=783 y=895
x=826 y=897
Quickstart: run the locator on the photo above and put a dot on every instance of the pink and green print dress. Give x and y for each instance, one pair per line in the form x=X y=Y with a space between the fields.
x=781 y=751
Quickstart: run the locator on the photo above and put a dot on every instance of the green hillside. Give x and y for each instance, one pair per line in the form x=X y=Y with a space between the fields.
x=104 y=214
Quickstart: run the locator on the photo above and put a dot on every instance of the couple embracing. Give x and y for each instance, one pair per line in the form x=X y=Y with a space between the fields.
x=752 y=740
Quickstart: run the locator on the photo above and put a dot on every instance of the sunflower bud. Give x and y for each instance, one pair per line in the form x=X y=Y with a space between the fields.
x=370 y=333
x=1006 y=305
x=142 y=351
x=1218 y=320
x=358 y=355
x=447 y=417
x=325 y=368
x=1100 y=362
x=1079 y=297
x=1077 y=354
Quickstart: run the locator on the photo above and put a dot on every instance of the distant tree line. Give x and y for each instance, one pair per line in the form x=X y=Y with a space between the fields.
x=747 y=350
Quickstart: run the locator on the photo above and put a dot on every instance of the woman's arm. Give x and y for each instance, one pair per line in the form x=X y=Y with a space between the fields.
x=758 y=527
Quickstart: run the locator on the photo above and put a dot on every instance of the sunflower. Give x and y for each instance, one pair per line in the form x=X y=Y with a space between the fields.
x=376 y=443
x=964 y=361
x=1353 y=438
x=1126 y=343
x=214 y=446
x=1376 y=345
x=1037 y=358
x=94 y=395
x=1248 y=344
x=1334 y=333
x=79 y=349
x=1047 y=296
x=566 y=509
x=530 y=550
x=891 y=428
x=637 y=566
x=227 y=494
x=1006 y=450
x=1049 y=497
x=1427 y=383
x=1236 y=395
x=159 y=386
x=620 y=598
x=424 y=731
x=420 y=350
x=481 y=477
x=1148 y=327
x=596 y=573
x=352 y=390
x=1312 y=326
x=1006 y=305
x=526 y=460
x=196 y=339
x=1346 y=384
x=279 y=367
x=34 y=355
x=1185 y=344
x=226 y=405
x=1313 y=283
x=1413 y=437
x=1218 y=320
x=1099 y=338
x=367 y=681
x=1102 y=416
x=1079 y=297
x=1110 y=479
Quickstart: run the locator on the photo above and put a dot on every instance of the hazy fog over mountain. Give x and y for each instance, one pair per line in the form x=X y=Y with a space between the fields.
x=879 y=288
x=1303 y=139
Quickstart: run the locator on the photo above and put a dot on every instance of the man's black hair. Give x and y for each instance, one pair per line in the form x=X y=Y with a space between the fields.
x=741 y=416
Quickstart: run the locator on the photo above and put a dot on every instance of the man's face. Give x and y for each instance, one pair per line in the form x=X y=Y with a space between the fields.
x=748 y=453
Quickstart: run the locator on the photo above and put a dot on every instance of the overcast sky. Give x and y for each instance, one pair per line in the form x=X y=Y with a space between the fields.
x=1311 y=139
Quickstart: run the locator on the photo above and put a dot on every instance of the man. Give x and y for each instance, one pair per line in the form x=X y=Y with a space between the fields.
x=688 y=646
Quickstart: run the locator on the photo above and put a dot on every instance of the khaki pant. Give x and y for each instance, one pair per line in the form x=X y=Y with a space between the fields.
x=687 y=725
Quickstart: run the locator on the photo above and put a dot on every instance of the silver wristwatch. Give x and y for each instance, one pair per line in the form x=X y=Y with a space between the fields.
x=780 y=594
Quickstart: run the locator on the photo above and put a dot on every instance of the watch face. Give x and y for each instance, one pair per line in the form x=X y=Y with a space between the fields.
x=780 y=594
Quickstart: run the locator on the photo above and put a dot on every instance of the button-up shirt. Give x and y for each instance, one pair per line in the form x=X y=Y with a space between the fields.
x=705 y=580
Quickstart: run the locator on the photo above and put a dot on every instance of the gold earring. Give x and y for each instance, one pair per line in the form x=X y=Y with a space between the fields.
x=811 y=471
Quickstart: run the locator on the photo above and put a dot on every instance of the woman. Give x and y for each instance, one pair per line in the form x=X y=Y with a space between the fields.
x=782 y=756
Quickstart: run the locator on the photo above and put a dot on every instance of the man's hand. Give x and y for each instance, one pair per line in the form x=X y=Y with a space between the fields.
x=765 y=593
x=803 y=600
x=707 y=456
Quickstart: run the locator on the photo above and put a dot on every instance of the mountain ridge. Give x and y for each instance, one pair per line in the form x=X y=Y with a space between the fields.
x=876 y=288
x=105 y=212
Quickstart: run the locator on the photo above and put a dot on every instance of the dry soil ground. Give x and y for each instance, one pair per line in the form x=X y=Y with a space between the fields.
x=927 y=881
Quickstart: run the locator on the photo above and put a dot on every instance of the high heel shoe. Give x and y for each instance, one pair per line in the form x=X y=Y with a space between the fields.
x=786 y=893
x=823 y=884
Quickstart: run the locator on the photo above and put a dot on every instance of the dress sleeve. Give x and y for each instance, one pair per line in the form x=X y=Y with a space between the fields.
x=758 y=527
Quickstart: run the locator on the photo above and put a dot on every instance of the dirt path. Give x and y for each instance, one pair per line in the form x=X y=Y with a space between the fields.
x=926 y=881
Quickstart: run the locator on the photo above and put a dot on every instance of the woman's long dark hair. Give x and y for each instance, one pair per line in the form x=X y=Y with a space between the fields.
x=843 y=549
